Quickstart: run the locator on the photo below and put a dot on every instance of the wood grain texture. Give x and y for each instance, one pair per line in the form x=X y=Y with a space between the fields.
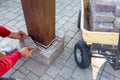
x=40 y=19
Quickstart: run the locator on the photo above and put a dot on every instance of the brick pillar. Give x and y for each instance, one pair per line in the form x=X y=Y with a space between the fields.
x=40 y=20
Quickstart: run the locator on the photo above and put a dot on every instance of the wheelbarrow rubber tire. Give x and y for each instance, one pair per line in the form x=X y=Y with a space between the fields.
x=83 y=51
x=79 y=19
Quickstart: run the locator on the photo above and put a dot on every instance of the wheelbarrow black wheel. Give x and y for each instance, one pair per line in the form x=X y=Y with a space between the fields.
x=82 y=55
x=79 y=19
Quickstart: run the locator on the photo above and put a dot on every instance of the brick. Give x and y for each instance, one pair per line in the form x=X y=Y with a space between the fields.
x=104 y=27
x=18 y=64
x=65 y=55
x=117 y=10
x=9 y=73
x=24 y=70
x=103 y=78
x=46 y=77
x=117 y=23
x=80 y=74
x=108 y=75
x=53 y=71
x=117 y=2
x=111 y=71
x=59 y=78
x=71 y=64
x=35 y=67
x=49 y=54
x=59 y=63
x=31 y=76
x=18 y=74
x=103 y=16
x=104 y=5
x=66 y=73
x=117 y=79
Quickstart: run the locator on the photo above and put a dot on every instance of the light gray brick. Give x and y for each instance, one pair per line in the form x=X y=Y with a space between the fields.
x=103 y=16
x=65 y=55
x=65 y=30
x=67 y=38
x=103 y=27
x=20 y=24
x=71 y=64
x=70 y=33
x=18 y=74
x=59 y=63
x=19 y=18
x=46 y=77
x=18 y=64
x=73 y=19
x=72 y=43
x=74 y=28
x=10 y=16
x=35 y=67
x=117 y=23
x=111 y=71
x=117 y=78
x=117 y=10
x=66 y=73
x=70 y=50
x=78 y=35
x=104 y=5
x=31 y=76
x=84 y=74
x=11 y=23
x=9 y=73
x=24 y=70
x=59 y=78
x=59 y=25
x=103 y=78
x=4 y=21
x=68 y=25
x=61 y=21
x=53 y=71
x=4 y=42
x=65 y=18
x=108 y=75
x=72 y=79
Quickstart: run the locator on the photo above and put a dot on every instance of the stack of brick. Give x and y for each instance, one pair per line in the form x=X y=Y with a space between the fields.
x=117 y=14
x=104 y=15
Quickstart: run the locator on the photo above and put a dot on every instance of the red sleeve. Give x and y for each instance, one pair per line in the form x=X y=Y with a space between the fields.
x=4 y=32
x=8 y=62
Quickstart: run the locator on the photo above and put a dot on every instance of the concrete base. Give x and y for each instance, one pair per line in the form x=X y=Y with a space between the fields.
x=48 y=55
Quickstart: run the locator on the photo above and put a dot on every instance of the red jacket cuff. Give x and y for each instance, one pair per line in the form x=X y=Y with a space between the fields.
x=4 y=32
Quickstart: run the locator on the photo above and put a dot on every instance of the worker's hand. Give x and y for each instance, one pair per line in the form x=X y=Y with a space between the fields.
x=17 y=35
x=26 y=52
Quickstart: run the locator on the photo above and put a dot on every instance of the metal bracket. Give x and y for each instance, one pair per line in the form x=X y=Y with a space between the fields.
x=113 y=59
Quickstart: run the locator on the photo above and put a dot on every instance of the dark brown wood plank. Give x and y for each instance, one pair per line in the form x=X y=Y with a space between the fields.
x=40 y=19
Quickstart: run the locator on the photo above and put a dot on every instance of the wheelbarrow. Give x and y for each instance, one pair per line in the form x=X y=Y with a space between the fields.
x=82 y=48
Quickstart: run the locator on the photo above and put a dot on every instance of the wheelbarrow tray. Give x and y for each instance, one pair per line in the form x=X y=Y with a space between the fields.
x=91 y=37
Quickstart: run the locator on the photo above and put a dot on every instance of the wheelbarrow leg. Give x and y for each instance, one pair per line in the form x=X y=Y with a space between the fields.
x=118 y=52
x=115 y=61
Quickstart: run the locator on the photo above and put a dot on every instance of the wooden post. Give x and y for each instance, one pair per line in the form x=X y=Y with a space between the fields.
x=40 y=20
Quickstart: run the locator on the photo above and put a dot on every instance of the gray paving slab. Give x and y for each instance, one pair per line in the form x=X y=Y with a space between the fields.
x=53 y=71
x=18 y=74
x=66 y=73
x=31 y=76
x=35 y=67
x=46 y=77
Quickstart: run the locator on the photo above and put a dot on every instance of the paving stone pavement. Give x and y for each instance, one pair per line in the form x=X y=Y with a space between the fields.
x=64 y=67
